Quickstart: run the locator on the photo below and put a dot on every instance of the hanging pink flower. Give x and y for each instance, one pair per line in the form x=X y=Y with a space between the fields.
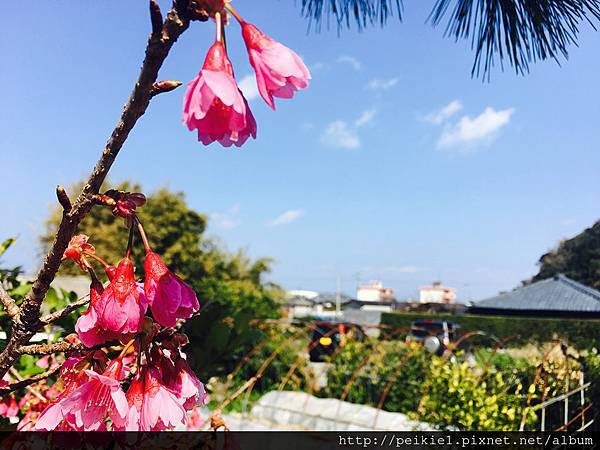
x=87 y=327
x=169 y=297
x=188 y=386
x=184 y=383
x=121 y=307
x=87 y=407
x=152 y=405
x=279 y=70
x=215 y=106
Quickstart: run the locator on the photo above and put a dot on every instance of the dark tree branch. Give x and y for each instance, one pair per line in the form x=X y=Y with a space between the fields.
x=53 y=317
x=26 y=323
x=11 y=308
x=29 y=381
x=51 y=349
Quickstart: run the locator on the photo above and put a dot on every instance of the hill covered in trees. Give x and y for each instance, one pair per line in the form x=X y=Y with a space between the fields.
x=578 y=258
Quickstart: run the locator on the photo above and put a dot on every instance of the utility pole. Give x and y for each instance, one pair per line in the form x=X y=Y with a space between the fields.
x=338 y=298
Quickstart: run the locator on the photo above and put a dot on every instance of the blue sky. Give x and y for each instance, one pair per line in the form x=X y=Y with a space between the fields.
x=395 y=164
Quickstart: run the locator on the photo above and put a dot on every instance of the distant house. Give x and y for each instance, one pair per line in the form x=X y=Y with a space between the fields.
x=558 y=296
x=437 y=293
x=370 y=305
x=302 y=303
x=374 y=292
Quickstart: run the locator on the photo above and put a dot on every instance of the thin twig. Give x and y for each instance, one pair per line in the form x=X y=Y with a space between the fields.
x=57 y=315
x=9 y=304
x=26 y=322
x=51 y=349
x=29 y=381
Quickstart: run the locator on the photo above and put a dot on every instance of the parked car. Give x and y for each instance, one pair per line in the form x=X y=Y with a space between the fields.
x=327 y=337
x=436 y=335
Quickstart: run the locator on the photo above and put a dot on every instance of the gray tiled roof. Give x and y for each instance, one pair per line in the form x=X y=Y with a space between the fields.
x=558 y=293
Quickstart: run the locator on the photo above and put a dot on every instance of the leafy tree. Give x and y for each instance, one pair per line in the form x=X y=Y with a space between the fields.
x=230 y=286
x=578 y=258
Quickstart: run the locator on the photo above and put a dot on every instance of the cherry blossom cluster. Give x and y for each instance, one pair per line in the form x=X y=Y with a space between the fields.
x=35 y=399
x=148 y=385
x=214 y=104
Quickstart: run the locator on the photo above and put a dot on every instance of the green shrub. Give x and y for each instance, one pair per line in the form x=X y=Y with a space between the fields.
x=456 y=396
x=582 y=334
x=405 y=365
x=592 y=363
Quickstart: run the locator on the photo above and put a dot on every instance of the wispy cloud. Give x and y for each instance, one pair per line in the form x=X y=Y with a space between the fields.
x=339 y=134
x=351 y=61
x=248 y=87
x=365 y=118
x=469 y=131
x=317 y=66
x=378 y=84
x=443 y=114
x=286 y=218
x=226 y=220
x=342 y=134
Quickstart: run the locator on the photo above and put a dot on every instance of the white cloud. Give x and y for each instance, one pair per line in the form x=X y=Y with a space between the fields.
x=339 y=134
x=248 y=87
x=286 y=217
x=378 y=84
x=226 y=220
x=468 y=131
x=315 y=67
x=351 y=61
x=365 y=118
x=443 y=114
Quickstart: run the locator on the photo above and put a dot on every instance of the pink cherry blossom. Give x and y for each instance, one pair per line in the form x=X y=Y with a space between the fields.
x=121 y=307
x=214 y=105
x=87 y=407
x=169 y=297
x=183 y=382
x=279 y=70
x=9 y=406
x=152 y=405
x=87 y=327
x=188 y=387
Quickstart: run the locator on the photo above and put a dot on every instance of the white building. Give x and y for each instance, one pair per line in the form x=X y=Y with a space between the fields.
x=437 y=293
x=374 y=292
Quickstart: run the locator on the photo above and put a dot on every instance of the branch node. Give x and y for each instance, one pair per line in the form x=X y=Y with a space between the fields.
x=156 y=18
x=63 y=198
x=11 y=308
x=163 y=86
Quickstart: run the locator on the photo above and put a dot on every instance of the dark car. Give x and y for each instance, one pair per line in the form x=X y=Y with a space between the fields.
x=436 y=335
x=327 y=337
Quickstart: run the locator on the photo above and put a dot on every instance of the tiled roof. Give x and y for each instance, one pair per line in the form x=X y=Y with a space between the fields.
x=558 y=293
